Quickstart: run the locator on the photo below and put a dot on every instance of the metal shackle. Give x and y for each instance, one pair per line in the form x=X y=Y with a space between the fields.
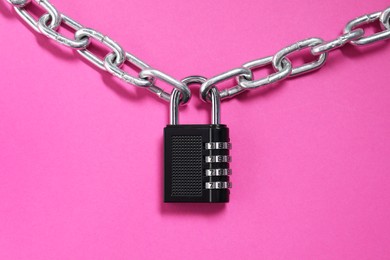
x=214 y=96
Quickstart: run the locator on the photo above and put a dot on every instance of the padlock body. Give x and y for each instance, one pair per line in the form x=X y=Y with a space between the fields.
x=196 y=161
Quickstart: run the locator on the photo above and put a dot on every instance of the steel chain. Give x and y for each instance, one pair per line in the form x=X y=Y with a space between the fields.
x=49 y=23
x=53 y=34
x=383 y=17
x=318 y=47
x=55 y=17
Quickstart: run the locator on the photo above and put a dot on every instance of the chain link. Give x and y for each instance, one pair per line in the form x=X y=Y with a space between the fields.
x=49 y=23
x=111 y=67
x=47 y=31
x=86 y=33
x=210 y=83
x=366 y=19
x=385 y=19
x=152 y=74
x=55 y=17
x=285 y=71
x=19 y=3
x=307 y=67
x=317 y=46
x=337 y=43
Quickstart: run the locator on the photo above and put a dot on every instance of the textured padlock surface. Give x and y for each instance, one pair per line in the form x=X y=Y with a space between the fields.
x=189 y=159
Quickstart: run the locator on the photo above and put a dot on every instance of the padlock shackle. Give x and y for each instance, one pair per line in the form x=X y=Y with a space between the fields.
x=174 y=107
x=215 y=106
x=175 y=102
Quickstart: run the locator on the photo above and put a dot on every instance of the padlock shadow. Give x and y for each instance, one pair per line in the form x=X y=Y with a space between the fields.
x=182 y=208
x=192 y=208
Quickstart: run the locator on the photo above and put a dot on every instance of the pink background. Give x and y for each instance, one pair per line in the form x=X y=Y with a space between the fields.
x=81 y=152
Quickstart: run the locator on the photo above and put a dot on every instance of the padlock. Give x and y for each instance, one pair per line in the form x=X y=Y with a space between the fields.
x=196 y=157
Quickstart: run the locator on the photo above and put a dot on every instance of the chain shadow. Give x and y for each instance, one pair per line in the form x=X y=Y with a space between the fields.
x=261 y=92
x=118 y=87
x=359 y=52
x=6 y=11
x=349 y=50
x=70 y=55
x=182 y=209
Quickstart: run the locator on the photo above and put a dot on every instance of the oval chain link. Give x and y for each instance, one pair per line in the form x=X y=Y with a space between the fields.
x=305 y=68
x=19 y=3
x=113 y=60
x=86 y=33
x=50 y=33
x=385 y=19
x=337 y=43
x=210 y=83
x=370 y=18
x=281 y=74
x=51 y=20
x=111 y=67
x=318 y=48
x=55 y=17
x=152 y=74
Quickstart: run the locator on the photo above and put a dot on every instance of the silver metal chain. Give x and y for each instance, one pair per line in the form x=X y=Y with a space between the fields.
x=49 y=23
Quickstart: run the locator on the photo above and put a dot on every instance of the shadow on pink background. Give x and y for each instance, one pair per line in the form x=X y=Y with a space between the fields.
x=81 y=152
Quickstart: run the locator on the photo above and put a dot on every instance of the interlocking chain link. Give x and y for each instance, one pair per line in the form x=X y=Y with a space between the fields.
x=282 y=65
x=49 y=23
x=383 y=17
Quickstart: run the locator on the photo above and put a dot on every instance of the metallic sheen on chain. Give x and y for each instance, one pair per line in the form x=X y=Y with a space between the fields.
x=86 y=33
x=49 y=23
x=339 y=42
x=281 y=55
x=150 y=74
x=274 y=77
x=111 y=67
x=210 y=83
x=47 y=31
x=19 y=3
x=55 y=17
x=385 y=19
x=369 y=18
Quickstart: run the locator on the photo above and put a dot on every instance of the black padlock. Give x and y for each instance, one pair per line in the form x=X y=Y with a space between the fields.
x=196 y=157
